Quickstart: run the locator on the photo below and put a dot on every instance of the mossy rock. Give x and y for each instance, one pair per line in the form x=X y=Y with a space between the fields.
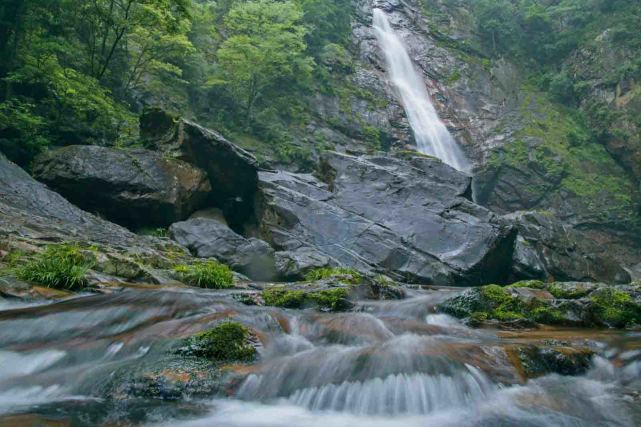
x=574 y=304
x=227 y=342
x=333 y=299
x=534 y=361
x=614 y=308
x=533 y=284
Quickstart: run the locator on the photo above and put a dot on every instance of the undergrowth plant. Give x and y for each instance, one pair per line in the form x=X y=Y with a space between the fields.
x=58 y=266
x=206 y=274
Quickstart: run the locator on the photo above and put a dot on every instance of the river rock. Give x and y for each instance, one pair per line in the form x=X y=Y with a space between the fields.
x=232 y=171
x=546 y=249
x=409 y=218
x=135 y=188
x=207 y=238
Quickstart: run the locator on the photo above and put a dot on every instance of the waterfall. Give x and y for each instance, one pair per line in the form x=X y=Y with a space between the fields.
x=432 y=137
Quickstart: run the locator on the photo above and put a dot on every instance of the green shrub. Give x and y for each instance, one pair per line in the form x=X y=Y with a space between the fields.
x=206 y=274
x=227 y=342
x=339 y=272
x=59 y=266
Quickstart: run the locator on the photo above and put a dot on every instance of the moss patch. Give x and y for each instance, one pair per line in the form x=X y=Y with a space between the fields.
x=615 y=308
x=344 y=274
x=279 y=296
x=335 y=299
x=227 y=342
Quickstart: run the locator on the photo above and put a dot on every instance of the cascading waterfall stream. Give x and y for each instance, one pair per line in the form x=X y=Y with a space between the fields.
x=431 y=134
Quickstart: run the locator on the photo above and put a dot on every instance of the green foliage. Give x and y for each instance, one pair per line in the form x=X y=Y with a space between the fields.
x=265 y=48
x=22 y=133
x=344 y=274
x=58 y=266
x=206 y=274
x=227 y=342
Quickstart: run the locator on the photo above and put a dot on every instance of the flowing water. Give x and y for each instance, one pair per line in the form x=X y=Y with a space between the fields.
x=388 y=363
x=431 y=134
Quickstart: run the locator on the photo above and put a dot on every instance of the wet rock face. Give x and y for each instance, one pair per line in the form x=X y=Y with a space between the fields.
x=28 y=208
x=208 y=238
x=232 y=171
x=380 y=213
x=134 y=188
x=546 y=249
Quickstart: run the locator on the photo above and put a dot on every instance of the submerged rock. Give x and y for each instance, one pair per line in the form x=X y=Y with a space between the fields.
x=135 y=188
x=534 y=361
x=409 y=218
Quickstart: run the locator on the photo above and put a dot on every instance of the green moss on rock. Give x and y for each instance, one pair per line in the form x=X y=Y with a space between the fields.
x=533 y=284
x=331 y=299
x=227 y=342
x=615 y=308
x=344 y=274
x=334 y=299
x=279 y=296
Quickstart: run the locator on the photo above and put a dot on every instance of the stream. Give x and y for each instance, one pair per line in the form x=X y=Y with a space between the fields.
x=386 y=363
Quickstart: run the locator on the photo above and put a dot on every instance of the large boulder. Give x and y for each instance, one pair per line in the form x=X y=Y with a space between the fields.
x=207 y=238
x=412 y=219
x=232 y=171
x=28 y=208
x=548 y=250
x=134 y=188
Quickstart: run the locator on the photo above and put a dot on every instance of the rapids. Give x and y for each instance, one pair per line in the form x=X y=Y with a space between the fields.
x=388 y=363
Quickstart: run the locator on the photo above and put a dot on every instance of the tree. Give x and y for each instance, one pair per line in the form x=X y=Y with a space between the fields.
x=264 y=52
x=497 y=25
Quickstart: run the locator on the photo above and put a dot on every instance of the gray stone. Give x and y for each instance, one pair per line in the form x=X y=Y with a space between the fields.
x=295 y=264
x=134 y=188
x=232 y=171
x=409 y=218
x=546 y=249
x=28 y=208
x=208 y=238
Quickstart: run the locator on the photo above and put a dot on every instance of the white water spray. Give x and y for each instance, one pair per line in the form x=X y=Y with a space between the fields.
x=432 y=137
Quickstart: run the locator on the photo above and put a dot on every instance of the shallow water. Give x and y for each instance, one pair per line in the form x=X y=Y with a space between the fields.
x=388 y=363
